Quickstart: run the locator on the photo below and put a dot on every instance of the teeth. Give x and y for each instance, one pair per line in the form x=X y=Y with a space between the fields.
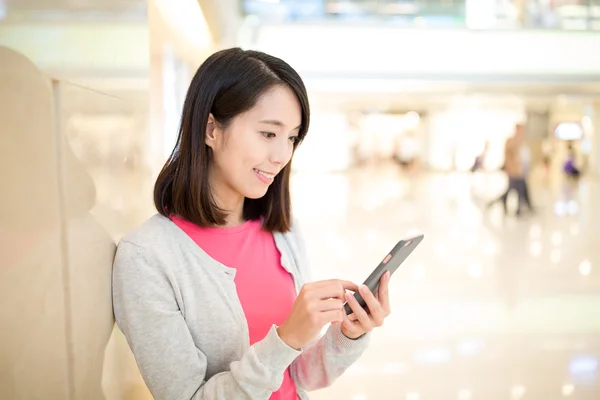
x=270 y=176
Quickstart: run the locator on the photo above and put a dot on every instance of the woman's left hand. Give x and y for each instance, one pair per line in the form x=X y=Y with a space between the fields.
x=360 y=321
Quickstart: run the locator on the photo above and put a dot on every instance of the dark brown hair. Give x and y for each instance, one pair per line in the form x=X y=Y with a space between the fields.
x=227 y=84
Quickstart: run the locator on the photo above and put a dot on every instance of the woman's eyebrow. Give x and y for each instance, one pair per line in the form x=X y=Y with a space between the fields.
x=276 y=123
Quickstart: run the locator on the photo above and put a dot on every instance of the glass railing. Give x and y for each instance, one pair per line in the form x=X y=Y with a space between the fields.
x=471 y=14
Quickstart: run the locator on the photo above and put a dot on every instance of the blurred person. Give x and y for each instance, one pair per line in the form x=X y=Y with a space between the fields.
x=478 y=164
x=570 y=167
x=525 y=156
x=517 y=160
x=211 y=292
x=55 y=259
x=480 y=159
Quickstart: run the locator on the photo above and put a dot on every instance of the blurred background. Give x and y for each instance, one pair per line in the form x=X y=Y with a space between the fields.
x=412 y=102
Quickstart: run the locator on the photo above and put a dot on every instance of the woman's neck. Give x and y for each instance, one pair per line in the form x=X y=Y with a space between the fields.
x=234 y=218
x=227 y=200
x=234 y=207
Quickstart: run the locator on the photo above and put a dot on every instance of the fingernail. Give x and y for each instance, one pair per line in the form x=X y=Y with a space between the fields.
x=348 y=296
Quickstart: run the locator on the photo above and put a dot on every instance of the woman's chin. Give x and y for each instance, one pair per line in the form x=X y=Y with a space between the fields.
x=256 y=194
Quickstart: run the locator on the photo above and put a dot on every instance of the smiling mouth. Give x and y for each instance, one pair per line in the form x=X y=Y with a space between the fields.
x=265 y=174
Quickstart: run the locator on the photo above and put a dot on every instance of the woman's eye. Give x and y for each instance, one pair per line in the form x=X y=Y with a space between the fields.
x=268 y=135
x=294 y=139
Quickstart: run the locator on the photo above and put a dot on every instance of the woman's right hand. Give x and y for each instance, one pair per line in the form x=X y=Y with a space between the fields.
x=317 y=304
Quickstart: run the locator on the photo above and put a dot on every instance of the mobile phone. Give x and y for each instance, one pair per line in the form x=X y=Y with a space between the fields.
x=390 y=262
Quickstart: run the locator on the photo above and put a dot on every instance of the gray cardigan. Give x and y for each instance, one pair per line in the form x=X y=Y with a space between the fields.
x=180 y=313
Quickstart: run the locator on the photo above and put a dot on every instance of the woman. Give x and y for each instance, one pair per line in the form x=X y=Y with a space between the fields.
x=211 y=293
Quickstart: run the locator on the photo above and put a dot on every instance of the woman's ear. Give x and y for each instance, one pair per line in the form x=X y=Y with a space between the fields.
x=211 y=132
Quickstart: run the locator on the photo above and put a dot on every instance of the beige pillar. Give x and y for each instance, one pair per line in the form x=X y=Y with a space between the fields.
x=55 y=258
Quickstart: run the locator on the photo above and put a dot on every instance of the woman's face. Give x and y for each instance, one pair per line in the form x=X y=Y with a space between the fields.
x=254 y=148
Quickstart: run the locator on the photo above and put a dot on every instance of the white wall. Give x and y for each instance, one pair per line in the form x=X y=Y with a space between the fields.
x=342 y=50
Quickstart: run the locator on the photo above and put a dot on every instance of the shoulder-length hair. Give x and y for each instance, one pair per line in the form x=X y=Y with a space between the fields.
x=227 y=84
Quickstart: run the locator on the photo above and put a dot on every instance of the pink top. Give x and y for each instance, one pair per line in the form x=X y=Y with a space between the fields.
x=265 y=289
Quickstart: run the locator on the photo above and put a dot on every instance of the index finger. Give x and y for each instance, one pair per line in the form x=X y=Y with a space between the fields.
x=336 y=288
x=383 y=291
x=336 y=282
x=347 y=285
